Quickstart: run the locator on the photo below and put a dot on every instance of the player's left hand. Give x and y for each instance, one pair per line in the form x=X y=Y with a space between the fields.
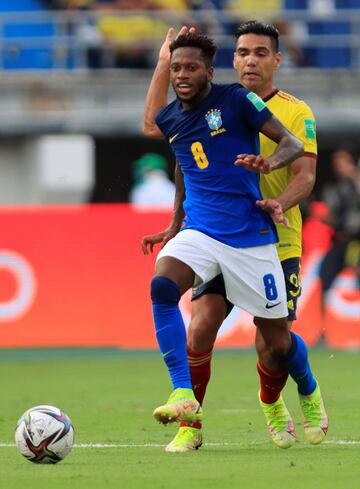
x=274 y=208
x=254 y=163
x=164 y=53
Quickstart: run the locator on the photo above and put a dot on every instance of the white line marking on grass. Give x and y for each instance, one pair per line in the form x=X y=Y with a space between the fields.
x=159 y=445
x=238 y=410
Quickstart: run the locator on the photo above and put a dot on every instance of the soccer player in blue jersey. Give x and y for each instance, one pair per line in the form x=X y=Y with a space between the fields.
x=213 y=132
x=256 y=59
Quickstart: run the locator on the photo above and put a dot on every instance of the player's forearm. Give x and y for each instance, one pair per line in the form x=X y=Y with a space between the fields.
x=289 y=149
x=298 y=190
x=157 y=97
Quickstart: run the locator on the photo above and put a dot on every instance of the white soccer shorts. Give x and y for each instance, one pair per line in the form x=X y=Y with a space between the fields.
x=254 y=279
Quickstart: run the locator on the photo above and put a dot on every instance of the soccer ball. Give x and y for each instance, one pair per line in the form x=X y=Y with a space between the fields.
x=44 y=435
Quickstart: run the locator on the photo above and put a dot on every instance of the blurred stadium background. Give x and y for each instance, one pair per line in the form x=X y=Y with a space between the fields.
x=73 y=80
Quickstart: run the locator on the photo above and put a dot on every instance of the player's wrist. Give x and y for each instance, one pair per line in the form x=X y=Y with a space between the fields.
x=163 y=62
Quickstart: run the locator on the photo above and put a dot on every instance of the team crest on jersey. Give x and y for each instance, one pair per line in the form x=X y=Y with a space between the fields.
x=213 y=118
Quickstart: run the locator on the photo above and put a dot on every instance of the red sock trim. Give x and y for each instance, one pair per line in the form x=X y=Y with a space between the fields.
x=200 y=370
x=271 y=383
x=278 y=373
x=197 y=425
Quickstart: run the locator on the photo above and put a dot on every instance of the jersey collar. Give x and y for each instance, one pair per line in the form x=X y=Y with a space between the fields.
x=271 y=94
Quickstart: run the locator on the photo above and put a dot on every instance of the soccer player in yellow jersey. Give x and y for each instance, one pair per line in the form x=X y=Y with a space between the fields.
x=256 y=59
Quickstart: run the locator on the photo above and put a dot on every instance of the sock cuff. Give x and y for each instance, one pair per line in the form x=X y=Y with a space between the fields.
x=293 y=347
x=262 y=370
x=196 y=353
x=164 y=291
x=198 y=358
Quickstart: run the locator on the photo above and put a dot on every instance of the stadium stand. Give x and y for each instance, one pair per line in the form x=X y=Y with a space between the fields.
x=70 y=34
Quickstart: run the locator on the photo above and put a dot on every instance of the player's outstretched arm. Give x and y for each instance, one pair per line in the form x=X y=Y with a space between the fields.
x=148 y=242
x=288 y=149
x=301 y=184
x=157 y=95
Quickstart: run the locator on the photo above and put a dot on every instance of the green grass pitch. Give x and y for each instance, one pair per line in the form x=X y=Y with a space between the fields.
x=110 y=396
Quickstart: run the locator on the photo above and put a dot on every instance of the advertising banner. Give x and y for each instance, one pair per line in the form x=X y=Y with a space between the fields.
x=76 y=276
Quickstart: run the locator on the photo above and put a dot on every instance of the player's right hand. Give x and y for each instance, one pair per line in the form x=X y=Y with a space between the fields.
x=254 y=163
x=148 y=242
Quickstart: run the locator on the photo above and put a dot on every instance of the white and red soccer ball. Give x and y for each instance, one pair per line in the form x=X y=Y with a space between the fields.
x=44 y=435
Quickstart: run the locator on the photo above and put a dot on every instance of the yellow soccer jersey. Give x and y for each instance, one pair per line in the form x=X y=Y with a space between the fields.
x=296 y=116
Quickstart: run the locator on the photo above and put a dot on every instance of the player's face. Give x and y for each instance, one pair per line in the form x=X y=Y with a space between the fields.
x=255 y=61
x=189 y=75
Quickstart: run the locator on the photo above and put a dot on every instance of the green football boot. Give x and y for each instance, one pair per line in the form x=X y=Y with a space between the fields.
x=279 y=422
x=186 y=440
x=181 y=406
x=316 y=422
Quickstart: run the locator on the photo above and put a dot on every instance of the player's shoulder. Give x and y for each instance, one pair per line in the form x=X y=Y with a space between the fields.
x=167 y=112
x=290 y=99
x=230 y=88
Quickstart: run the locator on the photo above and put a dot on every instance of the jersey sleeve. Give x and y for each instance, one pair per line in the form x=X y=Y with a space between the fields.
x=303 y=125
x=163 y=119
x=253 y=108
x=159 y=119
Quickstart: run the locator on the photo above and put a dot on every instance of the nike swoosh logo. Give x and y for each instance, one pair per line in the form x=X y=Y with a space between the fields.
x=270 y=306
x=172 y=138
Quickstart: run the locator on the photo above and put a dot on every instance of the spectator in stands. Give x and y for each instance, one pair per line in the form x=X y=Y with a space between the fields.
x=126 y=35
x=292 y=55
x=343 y=200
x=317 y=234
x=152 y=184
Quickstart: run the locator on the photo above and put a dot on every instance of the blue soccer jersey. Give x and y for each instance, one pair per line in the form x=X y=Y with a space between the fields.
x=220 y=197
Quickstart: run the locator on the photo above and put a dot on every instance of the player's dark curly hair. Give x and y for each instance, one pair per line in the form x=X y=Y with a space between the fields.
x=196 y=40
x=262 y=29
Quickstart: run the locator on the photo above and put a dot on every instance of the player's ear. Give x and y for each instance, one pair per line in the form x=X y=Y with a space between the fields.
x=277 y=58
x=210 y=73
x=234 y=61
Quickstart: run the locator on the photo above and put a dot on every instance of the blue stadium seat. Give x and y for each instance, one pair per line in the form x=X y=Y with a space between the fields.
x=36 y=53
x=20 y=5
x=343 y=4
x=329 y=28
x=295 y=4
x=324 y=57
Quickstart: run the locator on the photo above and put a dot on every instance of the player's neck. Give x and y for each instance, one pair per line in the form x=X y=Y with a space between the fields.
x=196 y=101
x=266 y=92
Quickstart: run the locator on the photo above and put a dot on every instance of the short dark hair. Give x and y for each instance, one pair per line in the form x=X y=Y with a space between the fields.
x=260 y=28
x=196 y=40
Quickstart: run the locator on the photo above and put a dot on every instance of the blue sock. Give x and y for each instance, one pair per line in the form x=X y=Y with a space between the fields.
x=170 y=330
x=298 y=366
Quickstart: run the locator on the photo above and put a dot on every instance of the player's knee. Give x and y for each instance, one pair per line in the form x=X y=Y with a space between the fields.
x=280 y=346
x=200 y=340
x=164 y=291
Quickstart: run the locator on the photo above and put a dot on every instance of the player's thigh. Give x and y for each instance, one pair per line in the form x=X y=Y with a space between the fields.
x=208 y=312
x=215 y=287
x=177 y=271
x=195 y=249
x=254 y=280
